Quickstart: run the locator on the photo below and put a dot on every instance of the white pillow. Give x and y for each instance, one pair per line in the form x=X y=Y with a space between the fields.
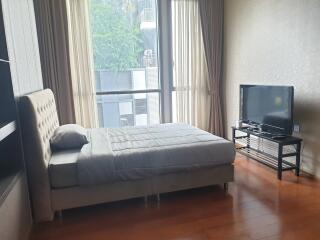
x=69 y=136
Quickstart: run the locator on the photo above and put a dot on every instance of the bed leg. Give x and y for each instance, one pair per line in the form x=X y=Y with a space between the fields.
x=146 y=201
x=225 y=186
x=158 y=200
x=60 y=215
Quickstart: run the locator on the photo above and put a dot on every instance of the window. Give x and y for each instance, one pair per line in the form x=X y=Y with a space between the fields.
x=125 y=51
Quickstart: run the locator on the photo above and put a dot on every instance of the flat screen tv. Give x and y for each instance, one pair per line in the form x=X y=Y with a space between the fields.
x=271 y=107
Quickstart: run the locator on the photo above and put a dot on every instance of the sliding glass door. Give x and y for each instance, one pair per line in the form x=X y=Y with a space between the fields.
x=125 y=51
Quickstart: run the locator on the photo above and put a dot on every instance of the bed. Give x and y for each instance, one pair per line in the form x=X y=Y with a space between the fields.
x=117 y=163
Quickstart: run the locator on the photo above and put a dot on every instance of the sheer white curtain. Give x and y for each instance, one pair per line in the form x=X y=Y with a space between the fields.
x=190 y=74
x=81 y=62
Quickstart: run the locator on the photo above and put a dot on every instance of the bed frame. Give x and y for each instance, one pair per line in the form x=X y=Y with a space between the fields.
x=40 y=119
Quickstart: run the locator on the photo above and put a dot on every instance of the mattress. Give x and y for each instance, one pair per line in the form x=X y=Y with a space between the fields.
x=132 y=153
x=63 y=169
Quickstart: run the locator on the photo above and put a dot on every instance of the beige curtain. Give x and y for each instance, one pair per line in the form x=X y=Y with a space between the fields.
x=81 y=63
x=190 y=74
x=51 y=20
x=211 y=12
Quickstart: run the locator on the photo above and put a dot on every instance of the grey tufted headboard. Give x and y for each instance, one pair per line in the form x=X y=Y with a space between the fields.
x=39 y=119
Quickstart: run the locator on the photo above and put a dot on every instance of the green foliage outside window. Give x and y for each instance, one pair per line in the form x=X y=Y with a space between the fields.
x=116 y=37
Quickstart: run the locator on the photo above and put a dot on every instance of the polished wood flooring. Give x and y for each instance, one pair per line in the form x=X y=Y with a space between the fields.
x=257 y=206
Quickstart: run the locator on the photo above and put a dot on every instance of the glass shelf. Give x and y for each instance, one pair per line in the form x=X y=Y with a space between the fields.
x=6 y=129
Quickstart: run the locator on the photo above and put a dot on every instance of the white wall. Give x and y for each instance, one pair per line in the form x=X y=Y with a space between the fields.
x=22 y=43
x=276 y=42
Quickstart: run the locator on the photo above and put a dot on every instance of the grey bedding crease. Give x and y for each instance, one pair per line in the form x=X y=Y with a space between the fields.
x=132 y=153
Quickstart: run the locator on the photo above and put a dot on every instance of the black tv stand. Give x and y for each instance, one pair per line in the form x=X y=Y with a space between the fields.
x=278 y=136
x=277 y=163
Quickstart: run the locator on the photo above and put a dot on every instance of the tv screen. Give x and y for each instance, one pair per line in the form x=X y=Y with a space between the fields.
x=269 y=106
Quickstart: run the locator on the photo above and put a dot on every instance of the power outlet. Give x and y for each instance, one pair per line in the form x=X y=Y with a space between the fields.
x=296 y=127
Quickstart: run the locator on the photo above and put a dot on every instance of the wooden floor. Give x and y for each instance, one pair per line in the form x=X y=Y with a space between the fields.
x=257 y=206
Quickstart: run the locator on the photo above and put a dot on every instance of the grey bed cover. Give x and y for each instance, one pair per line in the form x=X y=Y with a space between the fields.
x=131 y=153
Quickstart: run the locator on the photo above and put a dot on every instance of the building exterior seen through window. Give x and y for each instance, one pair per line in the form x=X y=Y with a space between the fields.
x=125 y=51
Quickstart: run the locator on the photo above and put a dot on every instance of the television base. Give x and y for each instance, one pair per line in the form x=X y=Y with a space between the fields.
x=278 y=163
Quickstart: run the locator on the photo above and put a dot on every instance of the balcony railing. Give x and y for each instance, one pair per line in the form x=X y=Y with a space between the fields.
x=148 y=19
x=148 y=15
